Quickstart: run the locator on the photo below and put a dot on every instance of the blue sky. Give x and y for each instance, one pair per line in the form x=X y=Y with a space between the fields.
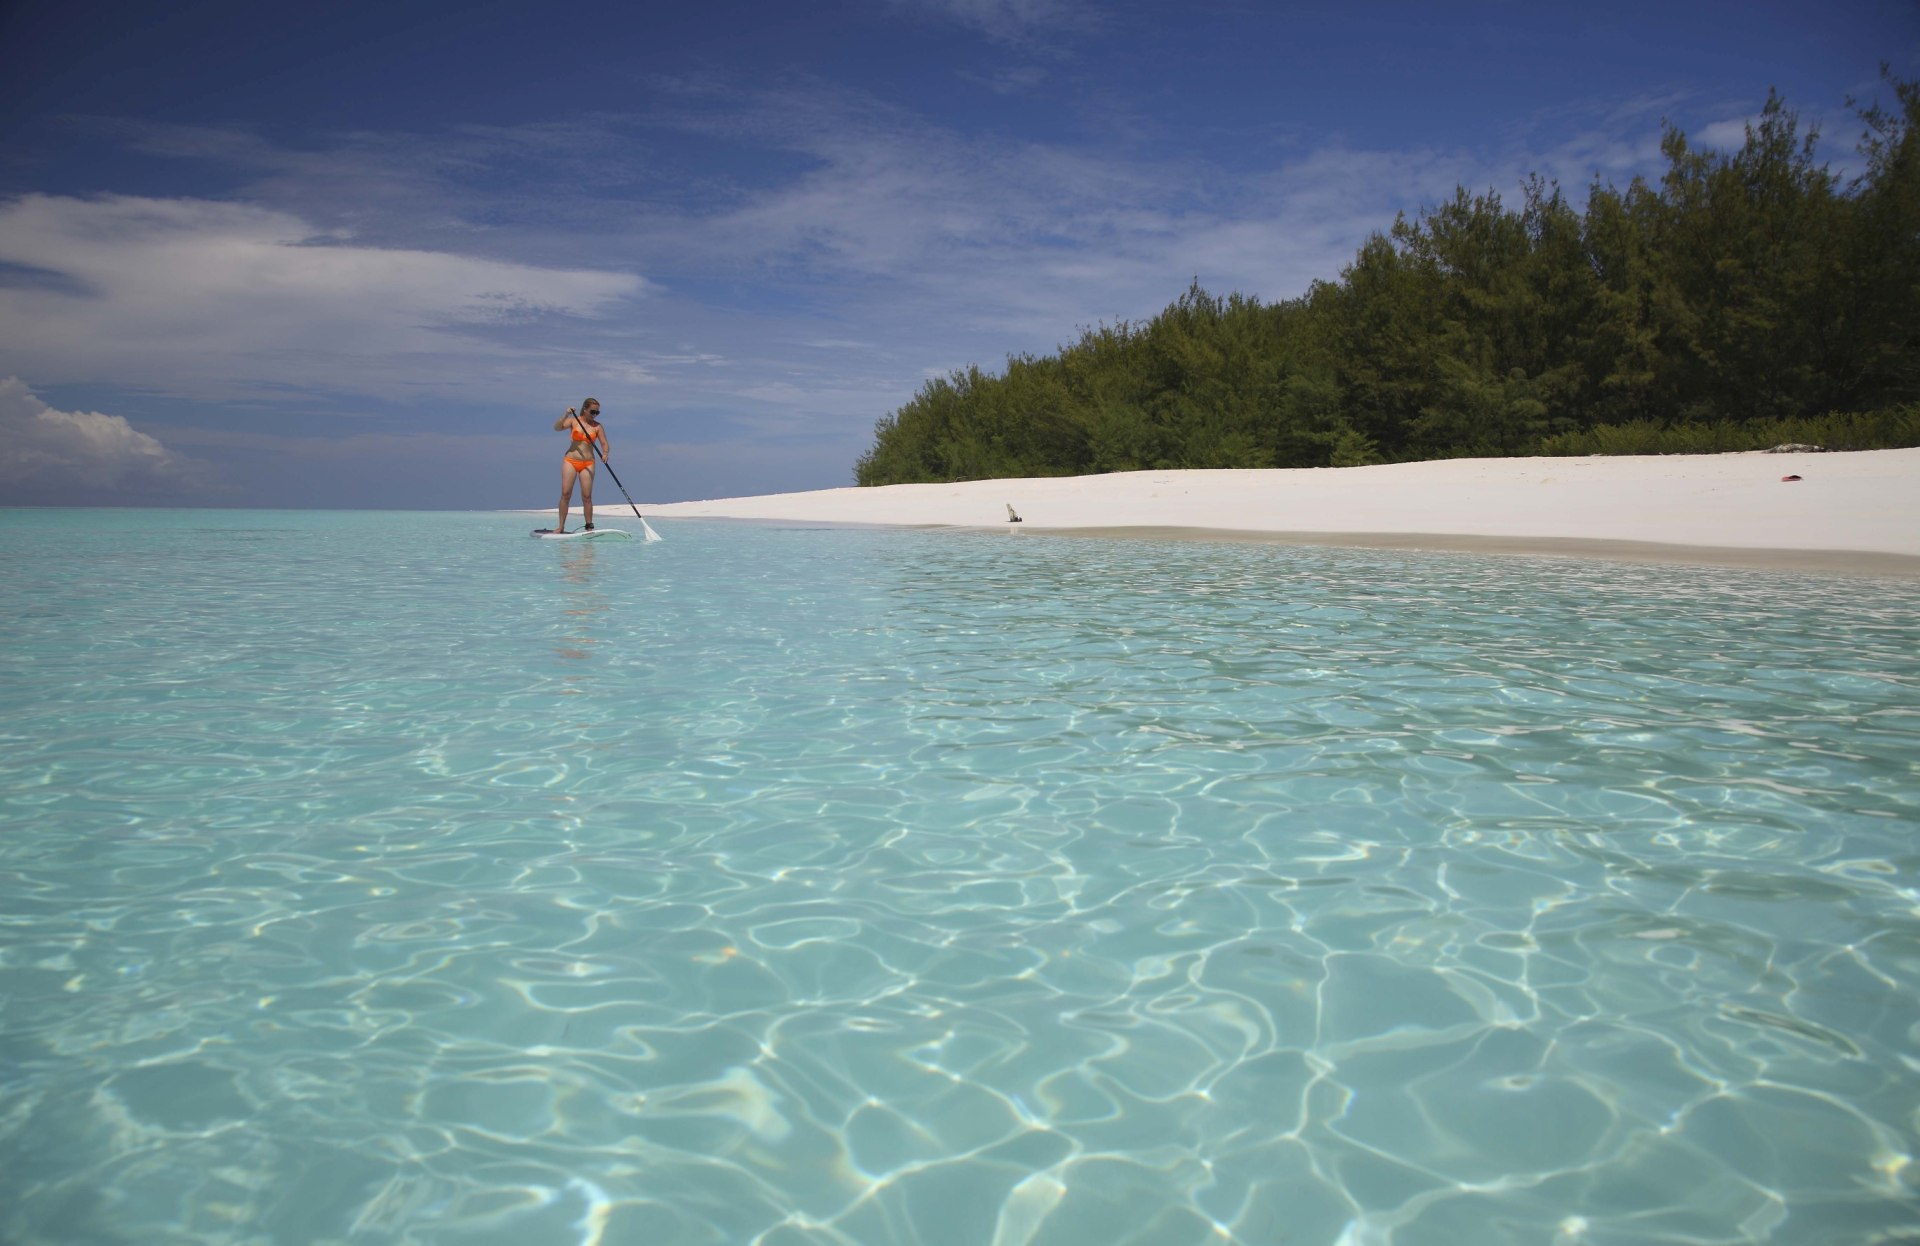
x=363 y=254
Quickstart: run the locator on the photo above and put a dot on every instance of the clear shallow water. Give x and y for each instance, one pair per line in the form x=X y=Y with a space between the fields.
x=394 y=878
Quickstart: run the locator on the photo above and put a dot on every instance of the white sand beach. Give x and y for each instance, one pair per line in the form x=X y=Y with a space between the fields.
x=1855 y=512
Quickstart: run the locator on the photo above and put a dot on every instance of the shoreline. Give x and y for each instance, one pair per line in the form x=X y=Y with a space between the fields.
x=1841 y=562
x=1852 y=512
x=1820 y=561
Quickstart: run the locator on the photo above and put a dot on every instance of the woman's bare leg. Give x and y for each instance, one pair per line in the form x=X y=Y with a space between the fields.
x=586 y=494
x=566 y=496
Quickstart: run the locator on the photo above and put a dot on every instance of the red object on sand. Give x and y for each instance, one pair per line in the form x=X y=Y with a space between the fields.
x=1789 y=478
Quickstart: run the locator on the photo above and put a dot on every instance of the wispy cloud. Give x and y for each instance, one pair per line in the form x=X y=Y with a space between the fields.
x=1007 y=21
x=1007 y=79
x=980 y=238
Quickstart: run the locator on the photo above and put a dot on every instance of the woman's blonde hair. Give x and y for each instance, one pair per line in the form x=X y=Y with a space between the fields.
x=588 y=402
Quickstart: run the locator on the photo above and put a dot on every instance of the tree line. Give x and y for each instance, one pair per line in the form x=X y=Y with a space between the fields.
x=1744 y=297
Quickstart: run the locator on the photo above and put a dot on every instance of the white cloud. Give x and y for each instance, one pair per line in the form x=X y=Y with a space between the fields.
x=1727 y=136
x=43 y=445
x=198 y=294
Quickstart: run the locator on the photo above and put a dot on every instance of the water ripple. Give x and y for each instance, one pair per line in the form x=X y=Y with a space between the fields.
x=808 y=886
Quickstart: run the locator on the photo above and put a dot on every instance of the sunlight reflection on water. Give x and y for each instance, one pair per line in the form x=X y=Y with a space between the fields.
x=396 y=878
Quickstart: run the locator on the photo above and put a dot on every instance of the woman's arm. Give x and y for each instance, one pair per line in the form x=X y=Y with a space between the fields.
x=564 y=420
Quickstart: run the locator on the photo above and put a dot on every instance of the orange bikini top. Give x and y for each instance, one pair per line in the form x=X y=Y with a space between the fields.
x=597 y=434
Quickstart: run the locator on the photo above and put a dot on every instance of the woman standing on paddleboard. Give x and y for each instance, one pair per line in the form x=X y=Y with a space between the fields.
x=584 y=425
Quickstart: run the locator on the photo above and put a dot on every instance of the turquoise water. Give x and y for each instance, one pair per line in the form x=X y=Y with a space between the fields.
x=394 y=878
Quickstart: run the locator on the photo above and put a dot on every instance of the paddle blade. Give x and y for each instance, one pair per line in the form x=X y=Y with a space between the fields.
x=647 y=528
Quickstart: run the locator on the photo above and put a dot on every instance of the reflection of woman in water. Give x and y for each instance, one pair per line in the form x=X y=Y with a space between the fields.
x=585 y=427
x=581 y=602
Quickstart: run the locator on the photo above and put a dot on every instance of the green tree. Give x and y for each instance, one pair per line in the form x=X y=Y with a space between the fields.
x=1883 y=256
x=1742 y=294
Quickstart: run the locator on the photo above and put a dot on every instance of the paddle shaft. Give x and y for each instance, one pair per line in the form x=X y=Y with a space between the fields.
x=593 y=444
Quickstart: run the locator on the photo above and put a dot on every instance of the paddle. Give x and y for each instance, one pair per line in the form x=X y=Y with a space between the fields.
x=593 y=444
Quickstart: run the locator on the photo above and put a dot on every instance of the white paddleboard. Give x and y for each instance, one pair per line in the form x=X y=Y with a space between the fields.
x=582 y=534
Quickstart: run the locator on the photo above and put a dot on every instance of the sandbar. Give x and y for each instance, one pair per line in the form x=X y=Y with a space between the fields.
x=1856 y=513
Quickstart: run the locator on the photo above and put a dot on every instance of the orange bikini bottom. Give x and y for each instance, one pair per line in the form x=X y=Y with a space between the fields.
x=578 y=465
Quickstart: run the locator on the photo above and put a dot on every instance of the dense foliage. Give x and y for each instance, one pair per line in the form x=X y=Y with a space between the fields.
x=1743 y=295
